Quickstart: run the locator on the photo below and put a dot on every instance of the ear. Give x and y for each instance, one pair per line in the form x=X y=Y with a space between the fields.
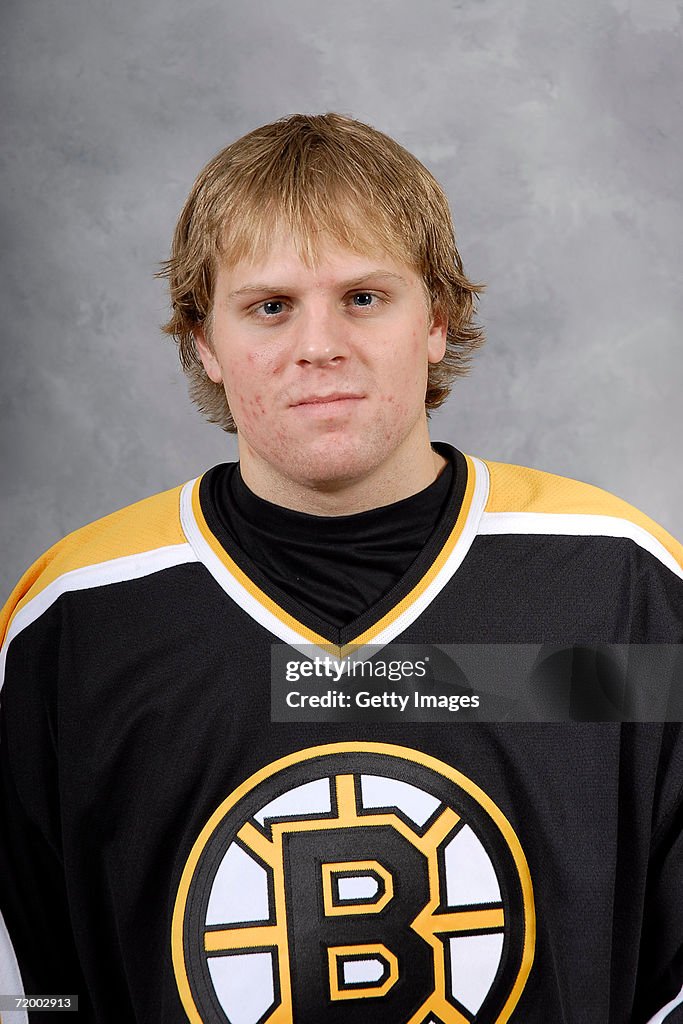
x=436 y=340
x=207 y=355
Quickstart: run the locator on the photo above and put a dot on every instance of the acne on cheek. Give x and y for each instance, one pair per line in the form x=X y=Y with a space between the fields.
x=262 y=362
x=238 y=394
x=248 y=411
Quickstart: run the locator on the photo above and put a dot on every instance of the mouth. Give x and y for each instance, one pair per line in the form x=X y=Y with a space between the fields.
x=323 y=402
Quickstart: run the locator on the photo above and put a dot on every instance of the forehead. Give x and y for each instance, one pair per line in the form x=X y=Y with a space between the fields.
x=329 y=265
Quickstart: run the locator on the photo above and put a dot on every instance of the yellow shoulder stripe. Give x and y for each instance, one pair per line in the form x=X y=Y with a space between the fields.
x=144 y=526
x=520 y=489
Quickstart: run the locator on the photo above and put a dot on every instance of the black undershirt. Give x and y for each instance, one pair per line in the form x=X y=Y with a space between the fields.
x=357 y=558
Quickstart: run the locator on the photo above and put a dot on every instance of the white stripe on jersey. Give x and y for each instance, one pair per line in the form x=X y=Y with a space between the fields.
x=577 y=524
x=10 y=977
x=661 y=1015
x=128 y=567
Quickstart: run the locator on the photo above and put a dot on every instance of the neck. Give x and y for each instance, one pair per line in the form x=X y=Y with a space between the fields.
x=411 y=468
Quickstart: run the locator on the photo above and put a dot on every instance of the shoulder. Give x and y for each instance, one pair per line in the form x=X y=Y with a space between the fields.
x=130 y=543
x=529 y=501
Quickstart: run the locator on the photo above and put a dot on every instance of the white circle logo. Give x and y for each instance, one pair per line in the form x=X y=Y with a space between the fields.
x=350 y=881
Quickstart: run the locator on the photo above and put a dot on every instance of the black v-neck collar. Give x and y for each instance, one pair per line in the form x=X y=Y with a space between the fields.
x=287 y=619
x=337 y=567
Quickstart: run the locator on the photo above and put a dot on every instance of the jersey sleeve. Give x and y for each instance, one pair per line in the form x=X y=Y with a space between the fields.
x=34 y=670
x=629 y=552
x=33 y=893
x=659 y=998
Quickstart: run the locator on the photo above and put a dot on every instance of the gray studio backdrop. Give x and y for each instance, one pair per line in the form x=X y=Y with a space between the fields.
x=554 y=128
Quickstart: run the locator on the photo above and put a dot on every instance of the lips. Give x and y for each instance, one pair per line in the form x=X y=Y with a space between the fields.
x=335 y=396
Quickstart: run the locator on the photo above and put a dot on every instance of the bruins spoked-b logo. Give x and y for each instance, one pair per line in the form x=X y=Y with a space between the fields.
x=351 y=883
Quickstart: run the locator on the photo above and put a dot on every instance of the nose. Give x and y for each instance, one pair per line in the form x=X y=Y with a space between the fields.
x=319 y=338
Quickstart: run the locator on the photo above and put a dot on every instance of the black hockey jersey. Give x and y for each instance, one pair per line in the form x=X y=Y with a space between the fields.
x=170 y=853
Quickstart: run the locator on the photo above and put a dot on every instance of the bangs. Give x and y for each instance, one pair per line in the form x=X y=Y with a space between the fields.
x=311 y=218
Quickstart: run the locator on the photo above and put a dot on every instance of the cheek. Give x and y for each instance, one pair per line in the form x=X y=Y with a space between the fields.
x=246 y=402
x=255 y=367
x=246 y=388
x=403 y=375
x=404 y=382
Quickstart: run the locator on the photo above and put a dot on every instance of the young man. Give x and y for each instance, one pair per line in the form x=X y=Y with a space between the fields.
x=182 y=838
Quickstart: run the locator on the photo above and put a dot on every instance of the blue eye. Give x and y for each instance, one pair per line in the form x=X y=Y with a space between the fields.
x=363 y=299
x=272 y=307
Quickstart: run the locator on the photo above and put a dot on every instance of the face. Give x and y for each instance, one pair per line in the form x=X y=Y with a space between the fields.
x=324 y=368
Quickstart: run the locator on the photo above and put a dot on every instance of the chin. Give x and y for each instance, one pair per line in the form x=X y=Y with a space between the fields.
x=331 y=464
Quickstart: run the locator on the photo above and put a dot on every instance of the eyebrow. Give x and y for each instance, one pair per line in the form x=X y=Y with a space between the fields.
x=271 y=289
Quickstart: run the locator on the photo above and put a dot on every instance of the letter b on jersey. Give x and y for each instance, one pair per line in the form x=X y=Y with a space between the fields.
x=352 y=894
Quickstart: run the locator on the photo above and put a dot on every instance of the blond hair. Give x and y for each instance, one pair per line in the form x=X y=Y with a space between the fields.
x=316 y=176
